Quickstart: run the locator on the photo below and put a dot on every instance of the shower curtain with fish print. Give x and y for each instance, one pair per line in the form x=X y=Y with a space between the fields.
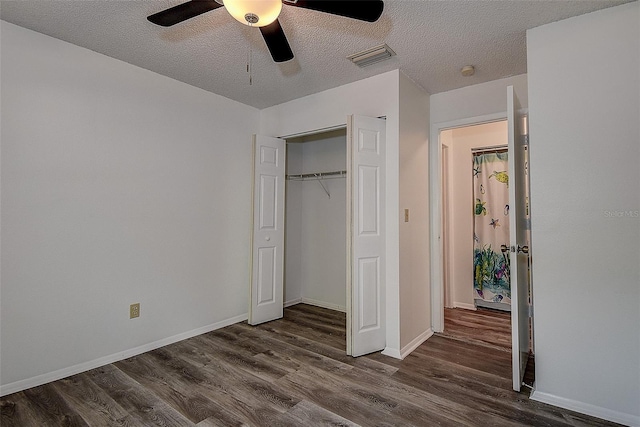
x=491 y=227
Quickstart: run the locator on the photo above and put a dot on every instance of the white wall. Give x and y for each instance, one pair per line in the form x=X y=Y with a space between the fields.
x=115 y=190
x=461 y=141
x=477 y=100
x=318 y=231
x=584 y=87
x=469 y=105
x=415 y=290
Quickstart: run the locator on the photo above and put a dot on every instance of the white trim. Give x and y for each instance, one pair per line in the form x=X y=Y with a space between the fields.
x=586 y=408
x=292 y=302
x=407 y=349
x=323 y=304
x=464 y=305
x=96 y=363
x=392 y=352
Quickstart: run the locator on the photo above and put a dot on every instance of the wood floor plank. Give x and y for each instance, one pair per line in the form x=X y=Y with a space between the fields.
x=152 y=374
x=52 y=406
x=91 y=402
x=487 y=327
x=303 y=339
x=141 y=403
x=387 y=395
x=295 y=372
x=247 y=385
x=243 y=360
x=353 y=408
x=235 y=400
x=17 y=410
x=306 y=413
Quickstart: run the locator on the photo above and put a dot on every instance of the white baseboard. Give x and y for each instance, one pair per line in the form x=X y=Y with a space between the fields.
x=415 y=343
x=92 y=364
x=292 y=302
x=392 y=352
x=586 y=408
x=323 y=304
x=464 y=305
x=407 y=349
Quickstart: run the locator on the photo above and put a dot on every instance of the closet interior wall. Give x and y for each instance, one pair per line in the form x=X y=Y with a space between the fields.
x=315 y=222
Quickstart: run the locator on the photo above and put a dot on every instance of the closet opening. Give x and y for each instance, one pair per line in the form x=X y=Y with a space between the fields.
x=316 y=220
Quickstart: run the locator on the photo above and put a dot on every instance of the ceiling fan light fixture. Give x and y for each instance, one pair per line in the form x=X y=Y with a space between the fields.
x=371 y=56
x=255 y=13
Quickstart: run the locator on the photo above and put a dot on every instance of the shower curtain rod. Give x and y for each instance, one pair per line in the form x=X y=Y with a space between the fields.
x=492 y=149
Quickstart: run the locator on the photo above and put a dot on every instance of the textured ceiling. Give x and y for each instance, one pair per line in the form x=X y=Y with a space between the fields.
x=433 y=41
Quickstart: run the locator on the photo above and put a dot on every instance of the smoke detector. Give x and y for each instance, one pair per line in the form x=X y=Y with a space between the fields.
x=468 y=70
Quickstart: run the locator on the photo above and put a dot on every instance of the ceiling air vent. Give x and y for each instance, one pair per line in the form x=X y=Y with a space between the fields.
x=371 y=56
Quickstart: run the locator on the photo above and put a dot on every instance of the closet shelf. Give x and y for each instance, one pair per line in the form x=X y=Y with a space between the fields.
x=317 y=175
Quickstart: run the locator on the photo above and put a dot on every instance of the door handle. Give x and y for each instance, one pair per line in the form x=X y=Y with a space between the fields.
x=523 y=249
x=267 y=238
x=504 y=248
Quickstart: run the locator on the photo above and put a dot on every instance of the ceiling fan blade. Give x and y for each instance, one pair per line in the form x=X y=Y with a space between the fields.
x=182 y=12
x=364 y=10
x=276 y=42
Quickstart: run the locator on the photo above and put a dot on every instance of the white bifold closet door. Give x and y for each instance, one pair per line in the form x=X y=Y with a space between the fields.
x=365 y=235
x=267 y=237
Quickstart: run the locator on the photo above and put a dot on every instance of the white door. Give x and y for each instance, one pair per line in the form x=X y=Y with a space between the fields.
x=519 y=245
x=365 y=235
x=267 y=237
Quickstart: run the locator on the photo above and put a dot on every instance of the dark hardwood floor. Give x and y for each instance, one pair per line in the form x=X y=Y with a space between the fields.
x=483 y=326
x=290 y=372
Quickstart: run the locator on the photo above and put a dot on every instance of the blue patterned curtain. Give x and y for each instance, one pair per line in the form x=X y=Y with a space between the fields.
x=491 y=227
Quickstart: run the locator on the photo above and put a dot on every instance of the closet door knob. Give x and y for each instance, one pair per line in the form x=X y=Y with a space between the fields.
x=267 y=238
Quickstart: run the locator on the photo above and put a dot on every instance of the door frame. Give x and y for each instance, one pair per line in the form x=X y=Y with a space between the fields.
x=348 y=311
x=349 y=281
x=437 y=243
x=435 y=203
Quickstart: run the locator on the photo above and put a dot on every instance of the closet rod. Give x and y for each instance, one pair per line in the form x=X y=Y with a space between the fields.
x=317 y=175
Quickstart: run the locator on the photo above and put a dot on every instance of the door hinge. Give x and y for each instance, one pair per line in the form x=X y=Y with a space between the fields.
x=530 y=310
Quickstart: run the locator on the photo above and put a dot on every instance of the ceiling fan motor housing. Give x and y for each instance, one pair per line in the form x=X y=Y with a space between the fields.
x=254 y=12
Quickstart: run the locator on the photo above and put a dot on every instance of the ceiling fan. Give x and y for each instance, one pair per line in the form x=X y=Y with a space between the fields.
x=264 y=15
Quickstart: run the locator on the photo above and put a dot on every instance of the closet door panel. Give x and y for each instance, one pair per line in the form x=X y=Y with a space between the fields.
x=366 y=238
x=267 y=237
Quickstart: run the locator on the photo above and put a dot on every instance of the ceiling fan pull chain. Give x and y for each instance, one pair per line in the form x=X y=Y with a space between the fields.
x=250 y=61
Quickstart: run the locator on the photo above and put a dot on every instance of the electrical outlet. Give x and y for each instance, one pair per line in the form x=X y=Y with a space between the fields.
x=134 y=310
